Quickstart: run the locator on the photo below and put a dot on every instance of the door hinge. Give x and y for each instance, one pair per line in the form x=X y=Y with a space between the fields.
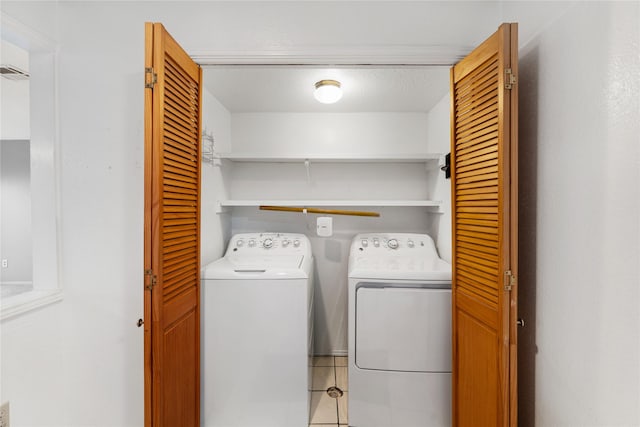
x=150 y=279
x=510 y=280
x=509 y=78
x=150 y=78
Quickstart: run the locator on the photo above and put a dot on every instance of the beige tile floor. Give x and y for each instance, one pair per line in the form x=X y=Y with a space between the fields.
x=328 y=371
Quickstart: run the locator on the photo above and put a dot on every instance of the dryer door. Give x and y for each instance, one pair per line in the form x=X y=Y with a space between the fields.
x=403 y=328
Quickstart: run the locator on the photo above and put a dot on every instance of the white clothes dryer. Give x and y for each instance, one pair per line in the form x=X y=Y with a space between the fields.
x=399 y=332
x=257 y=332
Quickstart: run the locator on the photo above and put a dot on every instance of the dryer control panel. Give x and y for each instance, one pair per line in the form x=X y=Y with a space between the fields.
x=396 y=256
x=273 y=243
x=406 y=244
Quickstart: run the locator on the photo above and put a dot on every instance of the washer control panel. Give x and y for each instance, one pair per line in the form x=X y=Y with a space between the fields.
x=275 y=243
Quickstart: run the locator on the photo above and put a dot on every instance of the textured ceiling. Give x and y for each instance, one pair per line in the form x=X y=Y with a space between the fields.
x=254 y=88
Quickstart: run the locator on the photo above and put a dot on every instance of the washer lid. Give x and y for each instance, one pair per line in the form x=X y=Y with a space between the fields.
x=257 y=267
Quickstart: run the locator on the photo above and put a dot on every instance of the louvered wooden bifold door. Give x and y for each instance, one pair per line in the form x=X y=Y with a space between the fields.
x=484 y=196
x=172 y=230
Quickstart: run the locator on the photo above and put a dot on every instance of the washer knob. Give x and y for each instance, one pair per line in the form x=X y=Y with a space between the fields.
x=410 y=243
x=267 y=243
x=285 y=243
x=240 y=243
x=365 y=243
x=252 y=243
x=392 y=243
x=376 y=242
x=296 y=243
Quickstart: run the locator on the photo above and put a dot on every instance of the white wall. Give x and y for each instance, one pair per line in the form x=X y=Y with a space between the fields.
x=439 y=141
x=79 y=362
x=214 y=228
x=15 y=193
x=14 y=95
x=329 y=133
x=579 y=217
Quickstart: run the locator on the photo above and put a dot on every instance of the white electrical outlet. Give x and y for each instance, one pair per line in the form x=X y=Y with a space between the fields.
x=4 y=415
x=324 y=226
x=5 y=264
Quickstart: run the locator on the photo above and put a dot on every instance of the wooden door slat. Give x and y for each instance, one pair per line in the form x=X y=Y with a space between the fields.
x=483 y=114
x=477 y=104
x=469 y=178
x=192 y=167
x=479 y=251
x=170 y=267
x=168 y=250
x=490 y=148
x=476 y=277
x=172 y=177
x=175 y=236
x=477 y=133
x=178 y=124
x=480 y=258
x=482 y=141
x=187 y=95
x=488 y=66
x=180 y=118
x=475 y=166
x=182 y=209
x=479 y=158
x=188 y=252
x=180 y=135
x=179 y=107
x=170 y=183
x=173 y=171
x=487 y=296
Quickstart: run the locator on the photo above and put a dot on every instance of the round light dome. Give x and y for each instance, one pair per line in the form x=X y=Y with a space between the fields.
x=328 y=91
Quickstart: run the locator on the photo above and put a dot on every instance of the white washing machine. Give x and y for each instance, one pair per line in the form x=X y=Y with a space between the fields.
x=257 y=329
x=399 y=332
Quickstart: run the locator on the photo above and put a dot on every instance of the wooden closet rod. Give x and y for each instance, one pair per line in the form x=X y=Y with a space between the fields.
x=318 y=211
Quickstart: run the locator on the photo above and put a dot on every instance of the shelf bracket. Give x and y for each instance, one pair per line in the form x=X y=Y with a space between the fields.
x=307 y=165
x=221 y=209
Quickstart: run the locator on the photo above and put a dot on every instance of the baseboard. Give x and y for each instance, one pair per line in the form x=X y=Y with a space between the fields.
x=334 y=353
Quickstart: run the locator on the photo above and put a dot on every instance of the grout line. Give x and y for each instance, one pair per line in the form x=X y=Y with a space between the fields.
x=335 y=383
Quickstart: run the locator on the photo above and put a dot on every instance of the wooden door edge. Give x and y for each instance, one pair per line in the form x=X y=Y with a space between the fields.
x=148 y=142
x=513 y=354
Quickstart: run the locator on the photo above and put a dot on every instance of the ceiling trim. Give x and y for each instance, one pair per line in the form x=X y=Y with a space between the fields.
x=337 y=55
x=24 y=37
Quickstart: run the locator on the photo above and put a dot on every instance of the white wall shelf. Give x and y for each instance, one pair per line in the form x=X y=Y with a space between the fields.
x=323 y=189
x=436 y=204
x=338 y=158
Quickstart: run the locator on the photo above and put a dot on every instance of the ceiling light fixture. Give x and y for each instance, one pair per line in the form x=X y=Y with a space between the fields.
x=328 y=91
